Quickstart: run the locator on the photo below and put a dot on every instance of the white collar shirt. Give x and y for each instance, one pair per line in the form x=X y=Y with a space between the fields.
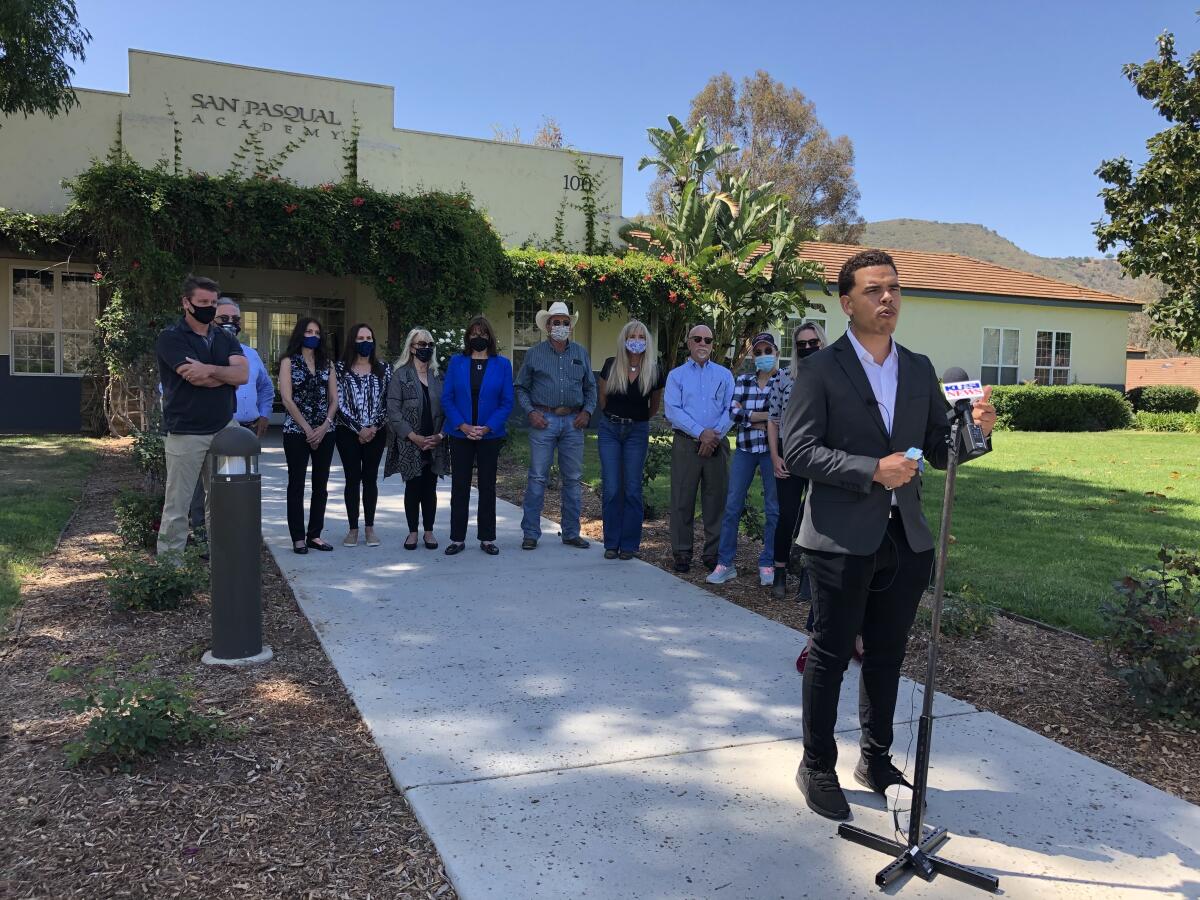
x=883 y=379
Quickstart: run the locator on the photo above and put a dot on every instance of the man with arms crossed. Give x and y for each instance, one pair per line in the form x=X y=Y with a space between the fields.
x=854 y=411
x=199 y=367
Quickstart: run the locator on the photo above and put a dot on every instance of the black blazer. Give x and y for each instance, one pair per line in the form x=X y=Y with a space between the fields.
x=833 y=435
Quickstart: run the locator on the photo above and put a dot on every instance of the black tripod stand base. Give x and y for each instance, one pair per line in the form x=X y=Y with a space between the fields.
x=919 y=859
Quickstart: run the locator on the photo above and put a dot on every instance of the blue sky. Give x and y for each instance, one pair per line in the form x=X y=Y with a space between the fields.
x=992 y=113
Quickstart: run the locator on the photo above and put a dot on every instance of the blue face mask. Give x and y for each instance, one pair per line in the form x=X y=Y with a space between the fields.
x=636 y=345
x=312 y=341
x=366 y=348
x=764 y=363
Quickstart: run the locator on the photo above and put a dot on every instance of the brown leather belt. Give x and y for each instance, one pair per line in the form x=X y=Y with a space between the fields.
x=560 y=410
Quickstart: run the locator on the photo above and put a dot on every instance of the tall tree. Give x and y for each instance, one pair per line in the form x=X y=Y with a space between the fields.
x=36 y=39
x=782 y=142
x=1153 y=214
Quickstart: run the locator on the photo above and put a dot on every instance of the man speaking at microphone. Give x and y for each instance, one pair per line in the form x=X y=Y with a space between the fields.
x=855 y=409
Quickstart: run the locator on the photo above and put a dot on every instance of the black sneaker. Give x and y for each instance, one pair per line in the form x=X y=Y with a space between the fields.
x=610 y=554
x=581 y=542
x=879 y=775
x=822 y=793
x=529 y=543
x=682 y=563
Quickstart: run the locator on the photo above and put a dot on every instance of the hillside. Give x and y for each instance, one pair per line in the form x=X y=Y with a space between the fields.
x=982 y=243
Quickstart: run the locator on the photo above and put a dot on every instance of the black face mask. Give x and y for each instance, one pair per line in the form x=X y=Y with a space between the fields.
x=203 y=314
x=424 y=354
x=478 y=344
x=802 y=352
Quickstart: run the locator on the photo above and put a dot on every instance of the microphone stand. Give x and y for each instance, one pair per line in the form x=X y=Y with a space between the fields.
x=917 y=854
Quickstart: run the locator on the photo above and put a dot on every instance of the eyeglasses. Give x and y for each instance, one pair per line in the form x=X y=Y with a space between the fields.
x=765 y=351
x=229 y=320
x=815 y=343
x=700 y=339
x=421 y=345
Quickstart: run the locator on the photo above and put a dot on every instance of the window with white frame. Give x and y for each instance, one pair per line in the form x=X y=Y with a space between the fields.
x=525 y=330
x=1052 y=359
x=786 y=344
x=1001 y=352
x=53 y=319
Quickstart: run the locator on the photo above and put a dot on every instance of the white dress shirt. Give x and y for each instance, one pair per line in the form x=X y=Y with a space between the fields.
x=883 y=379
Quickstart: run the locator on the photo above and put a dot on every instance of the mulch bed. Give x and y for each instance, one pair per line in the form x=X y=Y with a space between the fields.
x=301 y=805
x=1051 y=682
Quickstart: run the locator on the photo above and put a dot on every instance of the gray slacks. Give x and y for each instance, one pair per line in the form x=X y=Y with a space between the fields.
x=691 y=471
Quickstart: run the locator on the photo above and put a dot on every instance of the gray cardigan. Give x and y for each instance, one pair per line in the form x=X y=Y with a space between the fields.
x=405 y=403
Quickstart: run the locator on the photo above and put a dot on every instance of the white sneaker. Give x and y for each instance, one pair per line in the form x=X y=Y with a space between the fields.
x=721 y=574
x=766 y=575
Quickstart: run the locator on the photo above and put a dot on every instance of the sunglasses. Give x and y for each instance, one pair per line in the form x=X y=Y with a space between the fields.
x=698 y=339
x=766 y=351
x=227 y=320
x=815 y=343
x=421 y=345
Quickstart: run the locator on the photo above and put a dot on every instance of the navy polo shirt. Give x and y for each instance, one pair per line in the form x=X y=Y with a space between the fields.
x=189 y=408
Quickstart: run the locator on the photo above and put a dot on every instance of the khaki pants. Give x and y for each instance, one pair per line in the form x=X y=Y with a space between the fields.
x=187 y=457
x=689 y=471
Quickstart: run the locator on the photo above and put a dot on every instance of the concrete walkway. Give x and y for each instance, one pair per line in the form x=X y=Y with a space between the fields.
x=569 y=726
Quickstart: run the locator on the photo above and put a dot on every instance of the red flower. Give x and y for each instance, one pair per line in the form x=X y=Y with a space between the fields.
x=358 y=201
x=541 y=264
x=96 y=276
x=648 y=278
x=291 y=208
x=391 y=279
x=604 y=278
x=671 y=295
x=581 y=266
x=325 y=187
x=668 y=259
x=135 y=265
x=395 y=225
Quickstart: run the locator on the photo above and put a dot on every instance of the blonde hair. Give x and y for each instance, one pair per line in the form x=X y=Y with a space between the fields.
x=813 y=327
x=618 y=376
x=406 y=351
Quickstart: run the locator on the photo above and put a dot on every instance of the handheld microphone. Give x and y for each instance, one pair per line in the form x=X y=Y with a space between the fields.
x=961 y=391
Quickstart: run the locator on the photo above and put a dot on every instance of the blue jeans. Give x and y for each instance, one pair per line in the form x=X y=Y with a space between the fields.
x=622 y=459
x=561 y=433
x=741 y=474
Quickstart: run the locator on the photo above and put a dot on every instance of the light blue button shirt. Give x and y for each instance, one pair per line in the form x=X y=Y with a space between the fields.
x=697 y=397
x=255 y=397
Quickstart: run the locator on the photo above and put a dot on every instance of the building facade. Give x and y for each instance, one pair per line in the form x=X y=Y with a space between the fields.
x=1004 y=325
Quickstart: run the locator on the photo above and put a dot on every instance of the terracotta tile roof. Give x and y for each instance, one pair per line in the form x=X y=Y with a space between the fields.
x=1176 y=370
x=951 y=272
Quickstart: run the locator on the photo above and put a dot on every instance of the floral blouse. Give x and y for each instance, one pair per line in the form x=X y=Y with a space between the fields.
x=362 y=399
x=310 y=393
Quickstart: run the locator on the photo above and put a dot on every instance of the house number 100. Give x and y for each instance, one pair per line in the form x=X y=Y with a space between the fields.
x=576 y=183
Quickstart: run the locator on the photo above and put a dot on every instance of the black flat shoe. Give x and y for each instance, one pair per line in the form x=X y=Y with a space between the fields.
x=454 y=547
x=318 y=544
x=610 y=554
x=626 y=554
x=489 y=548
x=300 y=550
x=408 y=546
x=431 y=545
x=581 y=542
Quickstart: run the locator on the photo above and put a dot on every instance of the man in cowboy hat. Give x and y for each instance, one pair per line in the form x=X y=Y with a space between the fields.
x=557 y=390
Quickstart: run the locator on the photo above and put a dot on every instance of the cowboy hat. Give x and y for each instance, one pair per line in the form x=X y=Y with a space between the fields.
x=557 y=308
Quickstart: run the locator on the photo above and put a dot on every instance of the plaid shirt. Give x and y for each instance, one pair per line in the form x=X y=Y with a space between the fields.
x=750 y=398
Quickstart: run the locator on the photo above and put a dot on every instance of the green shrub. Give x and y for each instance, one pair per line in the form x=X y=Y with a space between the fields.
x=1164 y=421
x=167 y=582
x=138 y=516
x=134 y=718
x=150 y=455
x=752 y=523
x=1164 y=398
x=1152 y=634
x=964 y=614
x=1076 y=407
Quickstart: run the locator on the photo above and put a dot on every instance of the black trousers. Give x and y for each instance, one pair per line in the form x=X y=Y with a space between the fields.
x=298 y=453
x=875 y=596
x=466 y=454
x=361 y=464
x=790 y=492
x=420 y=499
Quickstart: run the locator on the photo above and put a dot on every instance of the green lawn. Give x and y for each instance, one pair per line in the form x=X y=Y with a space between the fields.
x=1045 y=523
x=41 y=479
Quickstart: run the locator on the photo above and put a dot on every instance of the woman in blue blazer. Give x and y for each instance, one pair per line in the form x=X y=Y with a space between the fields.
x=477 y=398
